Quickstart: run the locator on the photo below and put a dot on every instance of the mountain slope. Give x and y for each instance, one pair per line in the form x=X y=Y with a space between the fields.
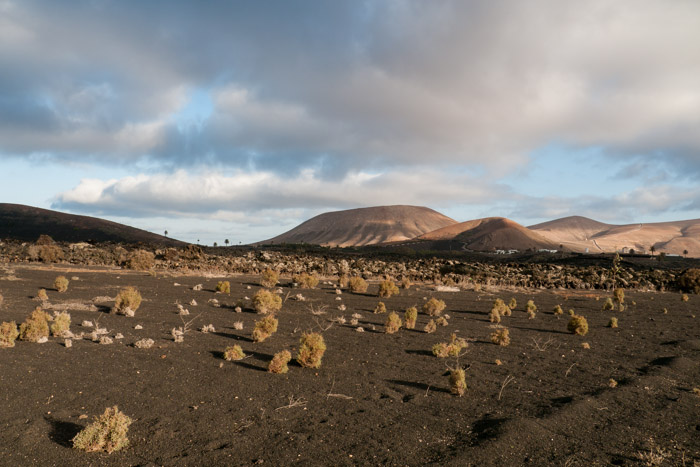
x=365 y=226
x=26 y=223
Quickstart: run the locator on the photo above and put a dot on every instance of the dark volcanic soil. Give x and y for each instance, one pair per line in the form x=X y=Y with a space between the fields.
x=378 y=399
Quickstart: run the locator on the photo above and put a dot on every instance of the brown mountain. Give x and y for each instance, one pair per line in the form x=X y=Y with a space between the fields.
x=26 y=223
x=581 y=234
x=489 y=234
x=365 y=226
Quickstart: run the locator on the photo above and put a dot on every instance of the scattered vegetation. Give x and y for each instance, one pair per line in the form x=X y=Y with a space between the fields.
x=35 y=327
x=434 y=307
x=127 y=302
x=393 y=323
x=356 y=284
x=311 y=350
x=305 y=280
x=387 y=288
x=234 y=352
x=41 y=295
x=107 y=433
x=264 y=328
x=61 y=284
x=578 y=325
x=380 y=308
x=140 y=260
x=689 y=281
x=61 y=324
x=431 y=327
x=278 y=364
x=223 y=287
x=501 y=337
x=410 y=317
x=405 y=283
x=499 y=308
x=8 y=334
x=450 y=349
x=269 y=278
x=266 y=302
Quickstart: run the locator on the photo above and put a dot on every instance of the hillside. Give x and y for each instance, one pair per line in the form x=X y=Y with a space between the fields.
x=489 y=234
x=26 y=223
x=365 y=226
x=581 y=234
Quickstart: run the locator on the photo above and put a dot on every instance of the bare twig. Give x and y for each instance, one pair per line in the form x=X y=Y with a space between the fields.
x=340 y=396
x=509 y=379
x=542 y=347
x=567 y=371
x=300 y=402
x=321 y=327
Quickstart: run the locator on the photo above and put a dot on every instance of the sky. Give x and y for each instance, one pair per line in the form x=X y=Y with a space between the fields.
x=240 y=119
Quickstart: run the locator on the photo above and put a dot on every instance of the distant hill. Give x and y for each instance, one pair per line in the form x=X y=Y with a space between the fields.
x=26 y=223
x=365 y=226
x=581 y=234
x=489 y=234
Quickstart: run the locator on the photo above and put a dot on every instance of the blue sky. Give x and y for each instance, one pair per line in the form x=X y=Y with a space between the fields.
x=240 y=120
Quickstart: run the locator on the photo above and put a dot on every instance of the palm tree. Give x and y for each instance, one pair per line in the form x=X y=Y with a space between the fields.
x=652 y=249
x=685 y=252
x=226 y=242
x=166 y=233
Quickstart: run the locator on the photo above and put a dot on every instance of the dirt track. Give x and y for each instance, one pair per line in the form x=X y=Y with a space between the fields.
x=377 y=399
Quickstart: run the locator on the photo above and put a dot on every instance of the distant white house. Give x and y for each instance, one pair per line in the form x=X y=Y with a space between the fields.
x=545 y=250
x=506 y=252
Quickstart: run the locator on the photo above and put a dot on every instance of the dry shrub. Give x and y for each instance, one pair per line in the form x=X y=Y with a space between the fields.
x=450 y=349
x=343 y=280
x=558 y=310
x=223 y=287
x=35 y=327
x=380 y=308
x=305 y=281
x=140 y=260
x=689 y=280
x=393 y=323
x=266 y=302
x=356 y=284
x=41 y=295
x=619 y=296
x=278 y=364
x=61 y=284
x=608 y=305
x=613 y=322
x=61 y=324
x=311 y=350
x=501 y=337
x=405 y=283
x=531 y=307
x=387 y=288
x=684 y=298
x=45 y=253
x=107 y=433
x=497 y=310
x=234 y=352
x=8 y=334
x=513 y=303
x=441 y=321
x=127 y=302
x=264 y=328
x=269 y=278
x=410 y=317
x=578 y=325
x=531 y=314
x=458 y=382
x=431 y=327
x=434 y=307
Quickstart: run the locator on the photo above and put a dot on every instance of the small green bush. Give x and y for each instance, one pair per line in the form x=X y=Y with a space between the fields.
x=311 y=350
x=434 y=307
x=8 y=334
x=266 y=302
x=578 y=325
x=127 y=302
x=269 y=278
x=387 y=288
x=61 y=324
x=305 y=281
x=278 y=364
x=140 y=260
x=107 y=433
x=393 y=323
x=61 y=284
x=380 y=308
x=264 y=328
x=501 y=337
x=458 y=382
x=223 y=287
x=35 y=327
x=356 y=284
x=410 y=317
x=234 y=352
